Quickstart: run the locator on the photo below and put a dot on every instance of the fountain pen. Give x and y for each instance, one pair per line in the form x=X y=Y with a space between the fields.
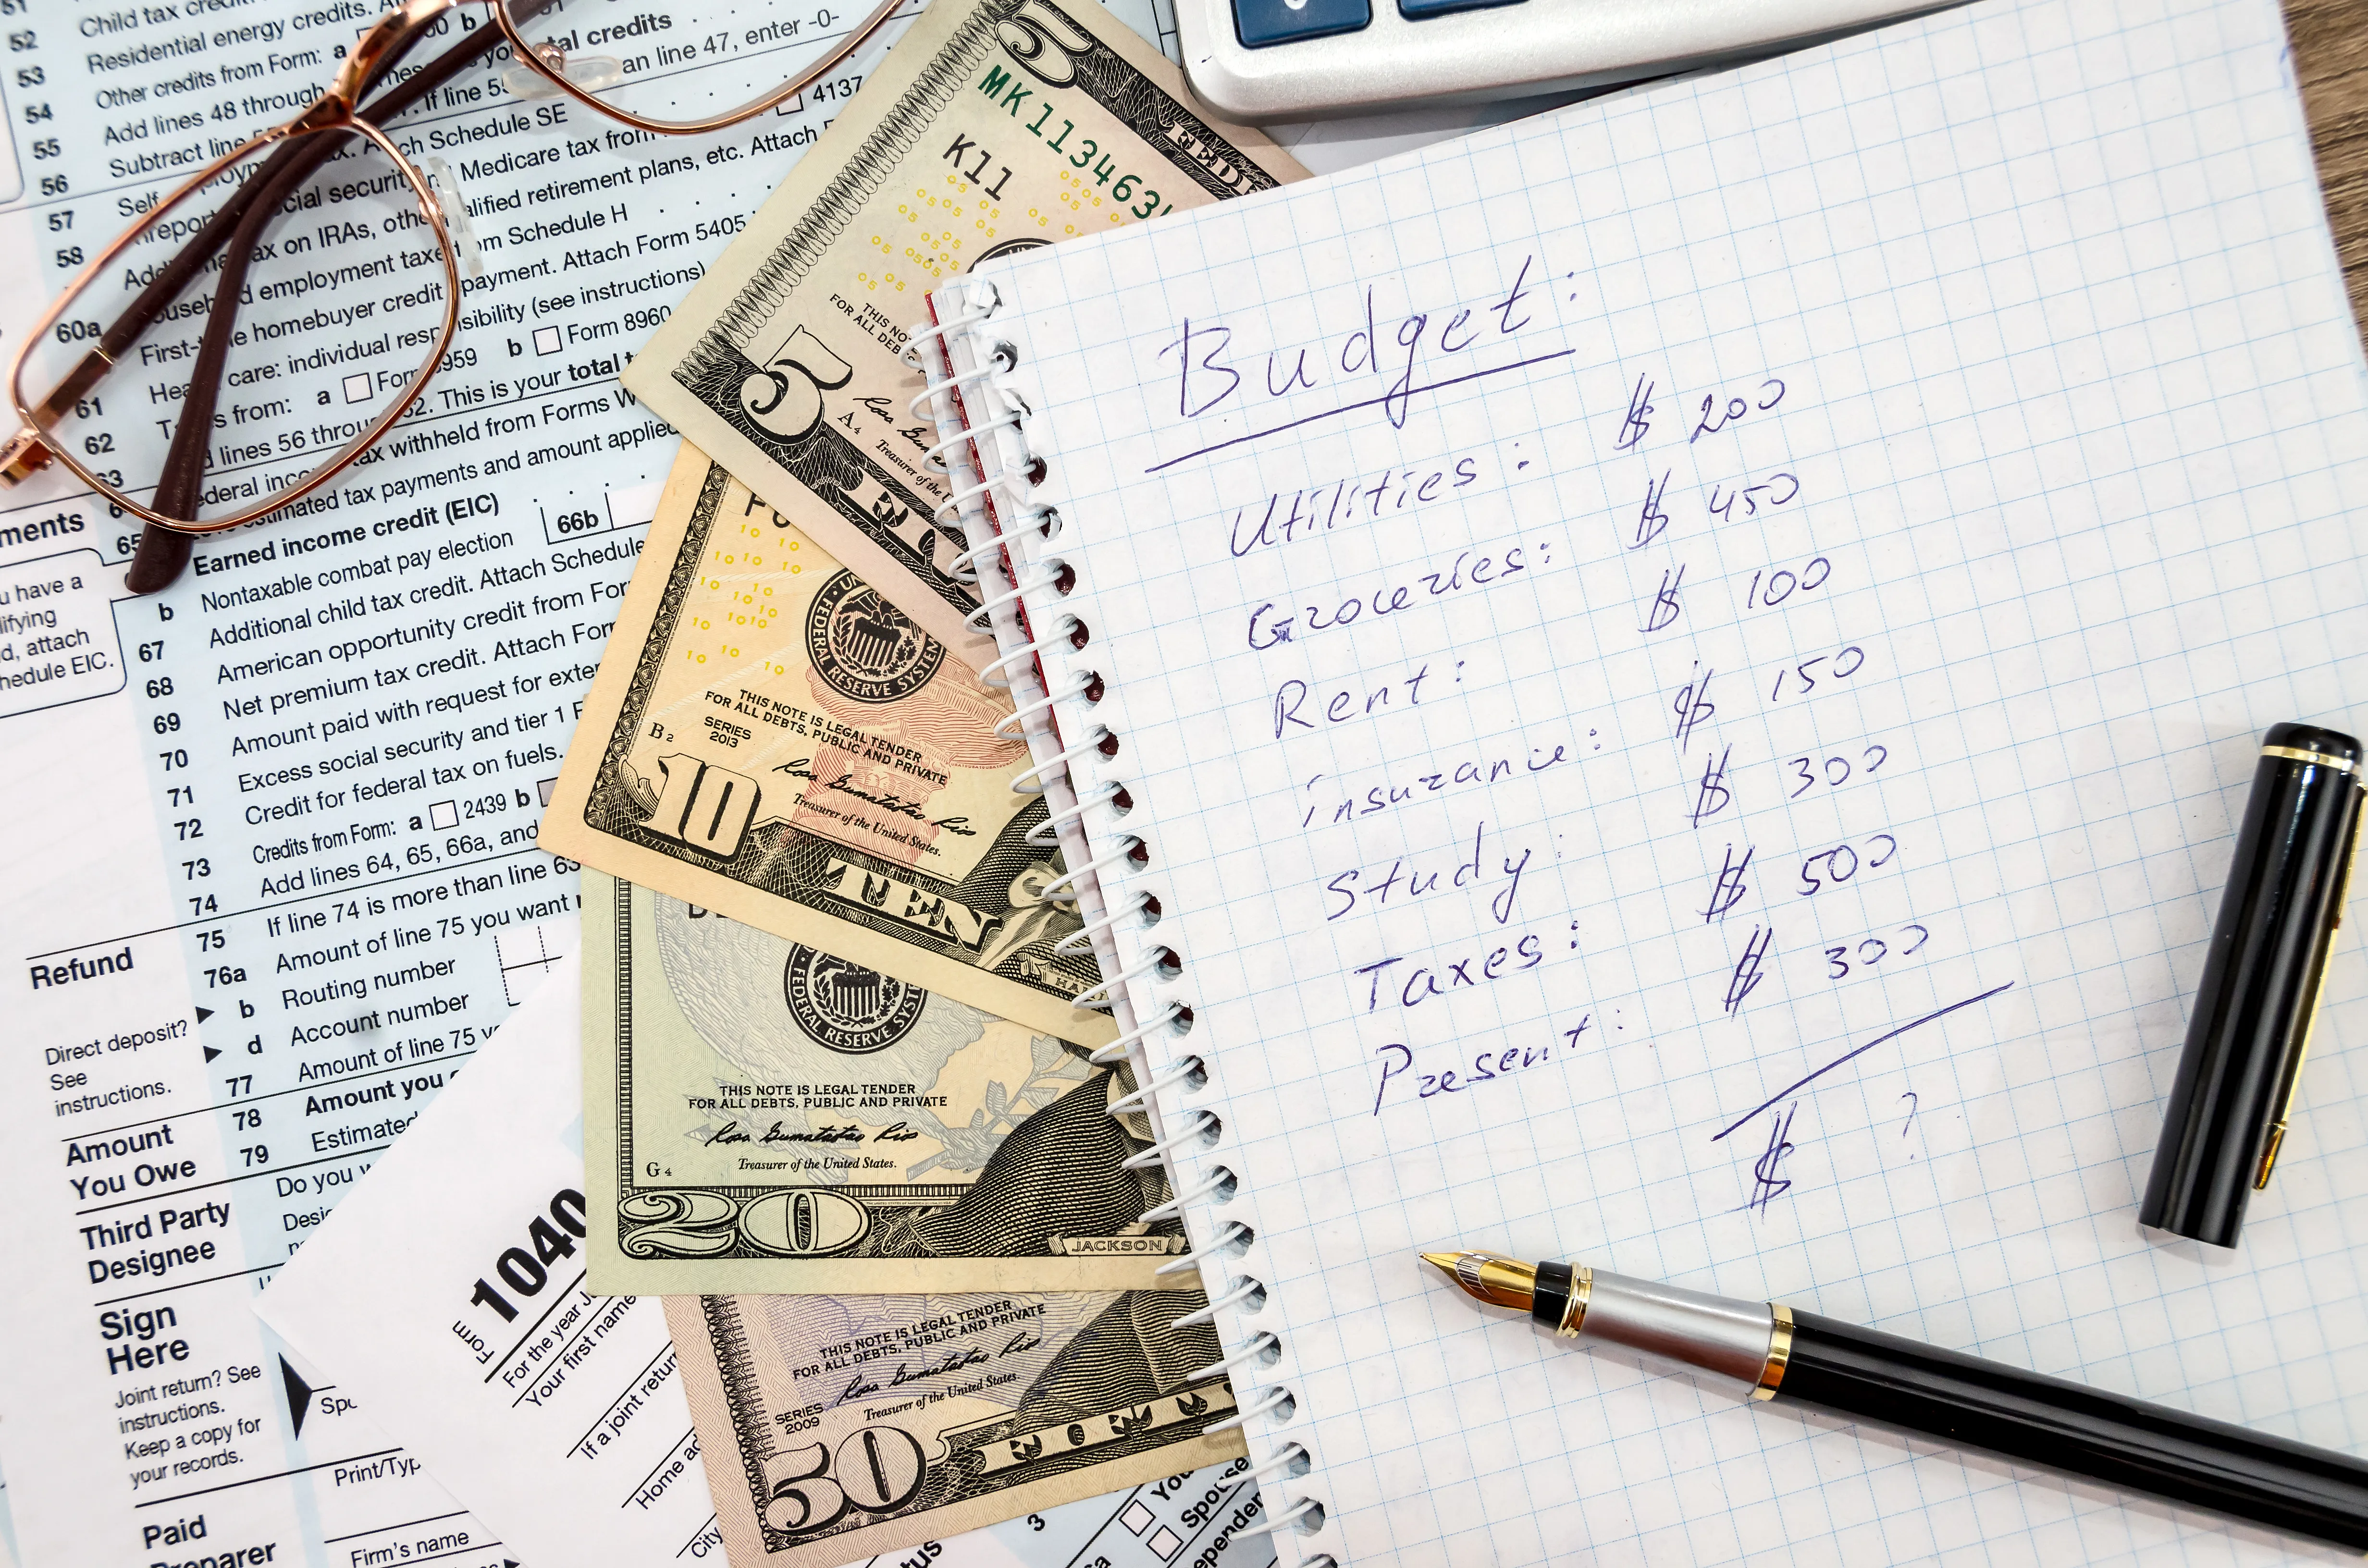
x=1801 y=1358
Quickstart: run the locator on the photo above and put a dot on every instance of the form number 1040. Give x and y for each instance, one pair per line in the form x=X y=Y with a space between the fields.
x=526 y=1273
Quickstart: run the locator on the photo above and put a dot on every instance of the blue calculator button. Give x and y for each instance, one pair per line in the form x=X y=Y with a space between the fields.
x=1264 y=22
x=1417 y=9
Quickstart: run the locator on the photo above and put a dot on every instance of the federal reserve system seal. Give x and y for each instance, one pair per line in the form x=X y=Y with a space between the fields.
x=865 y=648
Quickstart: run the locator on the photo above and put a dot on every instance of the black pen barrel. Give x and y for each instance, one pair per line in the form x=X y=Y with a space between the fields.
x=2251 y=1017
x=1966 y=1402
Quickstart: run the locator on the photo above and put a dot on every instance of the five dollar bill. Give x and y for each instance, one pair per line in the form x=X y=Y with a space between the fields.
x=994 y=126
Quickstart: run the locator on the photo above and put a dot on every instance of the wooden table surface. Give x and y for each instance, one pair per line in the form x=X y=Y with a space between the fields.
x=2331 y=46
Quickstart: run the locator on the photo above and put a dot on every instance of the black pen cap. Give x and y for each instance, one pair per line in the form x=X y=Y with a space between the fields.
x=2251 y=1022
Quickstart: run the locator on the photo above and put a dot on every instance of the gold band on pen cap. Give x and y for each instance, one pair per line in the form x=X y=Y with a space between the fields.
x=1574 y=1311
x=1780 y=1351
x=2302 y=754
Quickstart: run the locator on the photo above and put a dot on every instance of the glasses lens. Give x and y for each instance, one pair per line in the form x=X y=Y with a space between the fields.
x=679 y=63
x=256 y=325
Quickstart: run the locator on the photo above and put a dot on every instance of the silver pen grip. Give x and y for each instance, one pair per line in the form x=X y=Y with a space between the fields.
x=1703 y=1334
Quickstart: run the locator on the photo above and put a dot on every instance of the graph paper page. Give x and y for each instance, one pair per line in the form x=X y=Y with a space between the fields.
x=1686 y=670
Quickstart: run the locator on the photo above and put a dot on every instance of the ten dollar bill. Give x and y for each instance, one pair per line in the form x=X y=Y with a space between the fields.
x=992 y=126
x=768 y=739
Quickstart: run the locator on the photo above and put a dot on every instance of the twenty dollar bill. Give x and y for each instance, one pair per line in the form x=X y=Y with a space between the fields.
x=993 y=126
x=837 y=1426
x=768 y=739
x=763 y=1115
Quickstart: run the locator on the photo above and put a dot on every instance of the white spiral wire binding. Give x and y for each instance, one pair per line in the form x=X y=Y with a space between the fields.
x=964 y=568
x=1189 y=1068
x=1232 y=1240
x=1291 y=1458
x=1262 y=1347
x=1100 y=736
x=1051 y=528
x=1104 y=1055
x=936 y=455
x=1301 y=1508
x=1081 y=940
x=1158 y=956
x=1204 y=1127
x=1078 y=685
x=1050 y=830
x=1277 y=1398
x=911 y=353
x=1245 y=1289
x=1218 y=1183
x=1018 y=659
x=983 y=618
x=952 y=383
x=1128 y=845
x=948 y=513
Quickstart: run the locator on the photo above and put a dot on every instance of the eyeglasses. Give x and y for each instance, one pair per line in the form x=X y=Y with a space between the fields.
x=292 y=298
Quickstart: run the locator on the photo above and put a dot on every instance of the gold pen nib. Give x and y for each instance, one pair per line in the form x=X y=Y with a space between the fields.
x=1488 y=1277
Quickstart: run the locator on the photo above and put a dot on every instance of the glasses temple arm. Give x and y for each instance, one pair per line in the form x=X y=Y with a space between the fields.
x=162 y=554
x=184 y=459
x=176 y=273
x=283 y=168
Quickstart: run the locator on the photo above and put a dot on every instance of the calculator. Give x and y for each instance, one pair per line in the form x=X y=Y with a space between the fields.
x=1290 y=60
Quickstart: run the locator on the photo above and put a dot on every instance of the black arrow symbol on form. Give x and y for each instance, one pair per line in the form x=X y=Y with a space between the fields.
x=299 y=1397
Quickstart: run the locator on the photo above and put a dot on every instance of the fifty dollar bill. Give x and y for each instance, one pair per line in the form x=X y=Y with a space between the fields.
x=770 y=739
x=836 y=1426
x=993 y=126
x=764 y=1115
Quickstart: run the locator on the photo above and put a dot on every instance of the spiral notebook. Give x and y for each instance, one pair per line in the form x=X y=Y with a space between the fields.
x=1669 y=686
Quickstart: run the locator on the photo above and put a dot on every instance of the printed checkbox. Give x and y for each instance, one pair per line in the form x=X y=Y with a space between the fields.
x=1137 y=1518
x=358 y=388
x=530 y=953
x=546 y=340
x=546 y=788
x=1165 y=1543
x=444 y=813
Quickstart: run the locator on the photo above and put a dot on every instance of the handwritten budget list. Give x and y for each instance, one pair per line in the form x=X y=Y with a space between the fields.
x=1681 y=674
x=1565 y=716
